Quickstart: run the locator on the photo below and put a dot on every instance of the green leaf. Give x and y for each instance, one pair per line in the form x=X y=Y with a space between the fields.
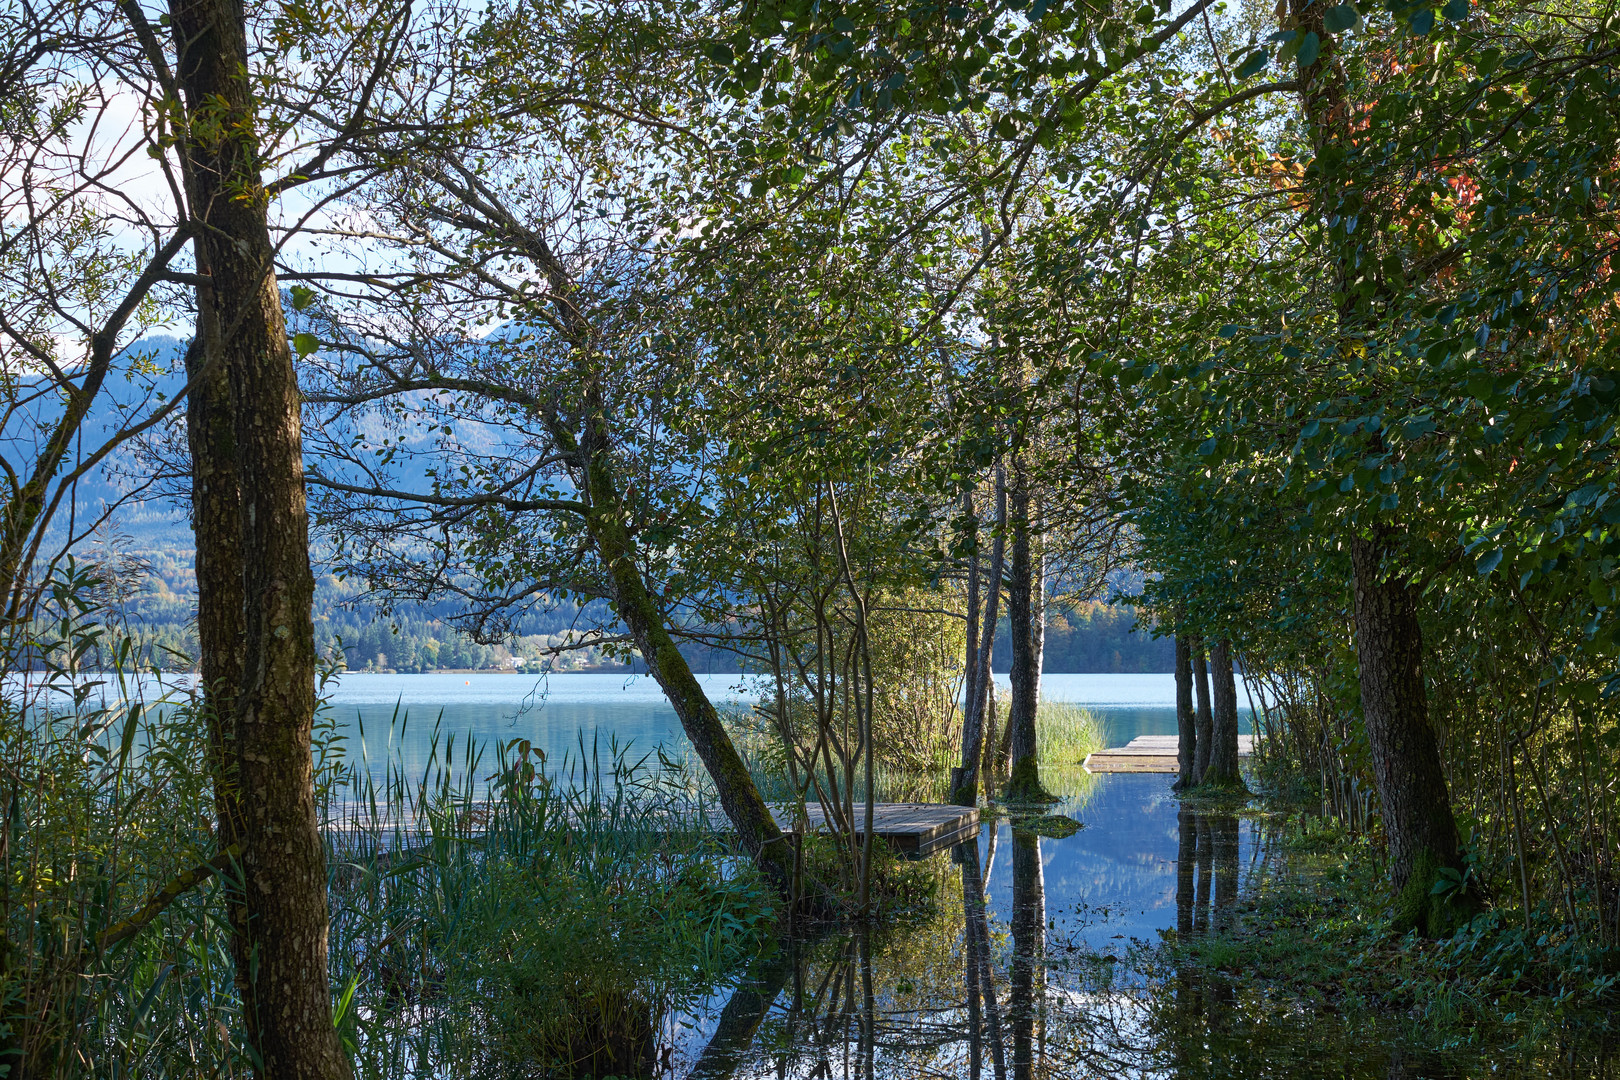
x=304 y=344
x=1489 y=561
x=302 y=297
x=1455 y=10
x=1253 y=64
x=1309 y=50
x=1423 y=21
x=1340 y=18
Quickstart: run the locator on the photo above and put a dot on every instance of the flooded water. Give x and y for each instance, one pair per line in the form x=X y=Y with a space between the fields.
x=1025 y=969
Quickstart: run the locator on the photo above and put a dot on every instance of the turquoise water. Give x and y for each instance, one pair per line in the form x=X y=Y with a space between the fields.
x=397 y=717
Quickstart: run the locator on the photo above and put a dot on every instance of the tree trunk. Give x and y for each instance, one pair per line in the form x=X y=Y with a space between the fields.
x=1418 y=821
x=607 y=521
x=283 y=862
x=1037 y=623
x=216 y=523
x=1205 y=720
x=972 y=711
x=1222 y=767
x=1024 y=780
x=967 y=790
x=1186 y=719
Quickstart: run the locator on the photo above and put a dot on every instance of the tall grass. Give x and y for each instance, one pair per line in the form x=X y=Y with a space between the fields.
x=1066 y=734
x=545 y=924
x=493 y=914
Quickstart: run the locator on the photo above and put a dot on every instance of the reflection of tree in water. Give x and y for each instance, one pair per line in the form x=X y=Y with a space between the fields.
x=954 y=997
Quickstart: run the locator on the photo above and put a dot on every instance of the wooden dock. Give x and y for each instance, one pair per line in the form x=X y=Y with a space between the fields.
x=1149 y=753
x=912 y=829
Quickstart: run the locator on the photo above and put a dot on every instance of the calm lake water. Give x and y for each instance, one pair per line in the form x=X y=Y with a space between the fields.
x=396 y=717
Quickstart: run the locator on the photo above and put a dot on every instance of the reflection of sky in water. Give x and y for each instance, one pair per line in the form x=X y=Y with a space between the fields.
x=1115 y=879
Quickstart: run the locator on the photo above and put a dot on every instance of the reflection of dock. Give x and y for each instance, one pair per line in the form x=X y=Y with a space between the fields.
x=1149 y=753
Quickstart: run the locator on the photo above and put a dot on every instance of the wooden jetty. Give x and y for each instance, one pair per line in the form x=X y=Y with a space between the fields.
x=914 y=830
x=1149 y=753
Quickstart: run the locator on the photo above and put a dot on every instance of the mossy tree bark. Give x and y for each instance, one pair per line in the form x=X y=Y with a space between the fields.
x=289 y=1013
x=1419 y=825
x=216 y=523
x=1186 y=719
x=1221 y=770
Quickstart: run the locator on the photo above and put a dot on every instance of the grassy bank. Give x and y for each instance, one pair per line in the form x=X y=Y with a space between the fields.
x=1312 y=934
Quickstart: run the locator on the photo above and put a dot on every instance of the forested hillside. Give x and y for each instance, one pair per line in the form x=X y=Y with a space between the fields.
x=160 y=604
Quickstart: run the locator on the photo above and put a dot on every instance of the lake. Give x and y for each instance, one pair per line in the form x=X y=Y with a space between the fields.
x=396 y=717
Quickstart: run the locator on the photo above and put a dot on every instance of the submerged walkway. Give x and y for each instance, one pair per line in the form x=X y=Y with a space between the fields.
x=1149 y=753
x=912 y=829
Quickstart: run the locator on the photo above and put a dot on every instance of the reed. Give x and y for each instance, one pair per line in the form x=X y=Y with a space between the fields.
x=491 y=914
x=1066 y=734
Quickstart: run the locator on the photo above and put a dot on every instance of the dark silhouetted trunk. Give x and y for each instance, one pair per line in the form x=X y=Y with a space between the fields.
x=972 y=712
x=289 y=1023
x=1186 y=719
x=1224 y=852
x=976 y=941
x=1205 y=720
x=1221 y=768
x=1186 y=866
x=1024 y=779
x=1204 y=858
x=966 y=791
x=1025 y=981
x=1037 y=623
x=1418 y=821
x=733 y=1039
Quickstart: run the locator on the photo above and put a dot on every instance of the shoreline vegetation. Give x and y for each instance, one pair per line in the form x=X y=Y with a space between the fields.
x=873 y=349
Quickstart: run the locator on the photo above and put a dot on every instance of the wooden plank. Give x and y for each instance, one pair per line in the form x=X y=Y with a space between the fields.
x=1149 y=754
x=911 y=828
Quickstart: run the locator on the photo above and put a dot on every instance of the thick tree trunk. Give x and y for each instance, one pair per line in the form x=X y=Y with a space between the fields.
x=1222 y=767
x=1418 y=821
x=283 y=862
x=216 y=523
x=1205 y=718
x=1186 y=719
x=973 y=721
x=1024 y=780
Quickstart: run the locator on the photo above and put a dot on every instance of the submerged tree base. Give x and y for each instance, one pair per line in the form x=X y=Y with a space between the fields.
x=1435 y=901
x=1024 y=784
